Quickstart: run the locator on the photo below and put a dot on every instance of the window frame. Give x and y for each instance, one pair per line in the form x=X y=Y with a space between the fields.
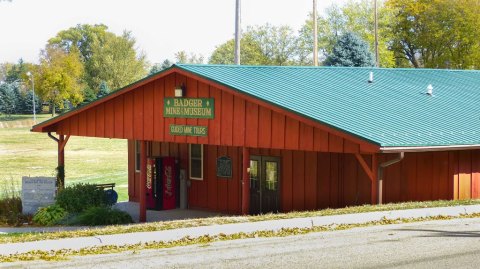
x=137 y=156
x=190 y=161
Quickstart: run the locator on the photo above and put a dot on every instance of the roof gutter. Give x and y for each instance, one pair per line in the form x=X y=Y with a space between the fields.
x=380 y=175
x=428 y=148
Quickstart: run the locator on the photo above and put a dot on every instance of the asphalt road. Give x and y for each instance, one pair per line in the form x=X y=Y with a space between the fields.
x=435 y=244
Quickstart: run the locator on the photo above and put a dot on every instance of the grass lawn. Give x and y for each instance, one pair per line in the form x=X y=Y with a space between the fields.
x=40 y=117
x=87 y=160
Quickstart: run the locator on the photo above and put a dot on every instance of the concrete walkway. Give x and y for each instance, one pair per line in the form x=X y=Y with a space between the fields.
x=168 y=235
x=133 y=208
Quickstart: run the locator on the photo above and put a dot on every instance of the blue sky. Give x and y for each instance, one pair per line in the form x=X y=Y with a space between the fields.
x=161 y=27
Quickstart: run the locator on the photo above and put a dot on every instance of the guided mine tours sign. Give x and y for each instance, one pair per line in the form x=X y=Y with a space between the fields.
x=188 y=130
x=194 y=108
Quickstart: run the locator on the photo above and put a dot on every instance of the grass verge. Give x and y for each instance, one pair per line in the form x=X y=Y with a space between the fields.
x=206 y=239
x=169 y=225
x=87 y=160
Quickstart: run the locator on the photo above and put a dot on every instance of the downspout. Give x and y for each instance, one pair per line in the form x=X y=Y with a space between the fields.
x=52 y=137
x=380 y=175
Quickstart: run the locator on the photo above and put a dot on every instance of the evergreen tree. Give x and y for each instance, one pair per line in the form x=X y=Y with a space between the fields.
x=16 y=72
x=350 y=50
x=160 y=66
x=8 y=99
x=104 y=90
x=27 y=105
x=88 y=96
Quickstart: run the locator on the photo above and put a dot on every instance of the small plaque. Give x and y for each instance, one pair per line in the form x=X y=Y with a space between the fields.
x=37 y=192
x=224 y=167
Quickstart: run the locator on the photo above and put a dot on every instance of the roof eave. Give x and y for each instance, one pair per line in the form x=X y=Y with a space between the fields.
x=428 y=148
x=43 y=126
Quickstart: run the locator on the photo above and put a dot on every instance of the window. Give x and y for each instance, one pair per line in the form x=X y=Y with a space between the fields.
x=137 y=156
x=196 y=161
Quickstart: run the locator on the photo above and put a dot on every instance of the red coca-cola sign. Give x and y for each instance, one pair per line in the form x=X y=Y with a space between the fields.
x=169 y=183
x=149 y=186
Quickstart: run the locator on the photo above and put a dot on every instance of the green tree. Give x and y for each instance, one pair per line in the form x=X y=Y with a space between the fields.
x=182 y=57
x=105 y=56
x=350 y=50
x=277 y=43
x=27 y=103
x=104 y=90
x=59 y=77
x=8 y=98
x=262 y=45
x=160 y=66
x=251 y=53
x=89 y=95
x=16 y=72
x=116 y=62
x=356 y=17
x=436 y=34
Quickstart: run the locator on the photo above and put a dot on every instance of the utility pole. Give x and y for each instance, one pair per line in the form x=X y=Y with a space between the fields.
x=377 y=58
x=315 y=34
x=238 y=31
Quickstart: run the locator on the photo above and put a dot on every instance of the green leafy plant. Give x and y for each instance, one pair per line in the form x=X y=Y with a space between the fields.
x=79 y=197
x=103 y=216
x=49 y=215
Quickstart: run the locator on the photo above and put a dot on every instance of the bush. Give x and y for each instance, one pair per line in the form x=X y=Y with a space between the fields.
x=11 y=211
x=49 y=215
x=11 y=204
x=103 y=216
x=79 y=197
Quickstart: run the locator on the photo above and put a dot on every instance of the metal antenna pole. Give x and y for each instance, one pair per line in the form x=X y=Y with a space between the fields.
x=377 y=58
x=238 y=31
x=315 y=34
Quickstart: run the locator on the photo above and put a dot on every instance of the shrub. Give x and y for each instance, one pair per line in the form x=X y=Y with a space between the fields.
x=103 y=216
x=11 y=204
x=49 y=215
x=11 y=211
x=77 y=198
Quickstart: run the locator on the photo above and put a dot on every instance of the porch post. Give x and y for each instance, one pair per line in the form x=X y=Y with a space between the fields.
x=61 y=150
x=245 y=181
x=374 y=190
x=61 y=143
x=143 y=182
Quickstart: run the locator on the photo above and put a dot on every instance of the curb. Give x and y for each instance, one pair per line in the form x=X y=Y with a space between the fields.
x=169 y=235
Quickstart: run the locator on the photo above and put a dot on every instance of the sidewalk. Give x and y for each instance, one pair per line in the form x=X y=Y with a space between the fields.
x=169 y=235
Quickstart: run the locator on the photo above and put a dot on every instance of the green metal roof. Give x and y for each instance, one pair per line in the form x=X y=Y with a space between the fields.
x=393 y=111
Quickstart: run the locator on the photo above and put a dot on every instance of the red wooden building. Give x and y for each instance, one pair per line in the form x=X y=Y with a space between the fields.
x=261 y=139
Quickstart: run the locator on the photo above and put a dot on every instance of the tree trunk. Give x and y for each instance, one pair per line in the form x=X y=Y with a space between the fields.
x=53 y=109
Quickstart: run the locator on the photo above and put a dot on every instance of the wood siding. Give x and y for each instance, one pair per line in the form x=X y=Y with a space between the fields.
x=316 y=180
x=432 y=176
x=238 y=121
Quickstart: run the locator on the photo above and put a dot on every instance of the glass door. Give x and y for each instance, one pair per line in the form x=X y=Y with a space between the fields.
x=264 y=184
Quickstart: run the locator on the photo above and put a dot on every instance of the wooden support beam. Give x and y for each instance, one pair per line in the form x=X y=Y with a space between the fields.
x=64 y=143
x=368 y=170
x=245 y=181
x=143 y=182
x=374 y=192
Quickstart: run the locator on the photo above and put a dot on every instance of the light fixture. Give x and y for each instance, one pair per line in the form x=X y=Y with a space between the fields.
x=179 y=91
x=30 y=76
